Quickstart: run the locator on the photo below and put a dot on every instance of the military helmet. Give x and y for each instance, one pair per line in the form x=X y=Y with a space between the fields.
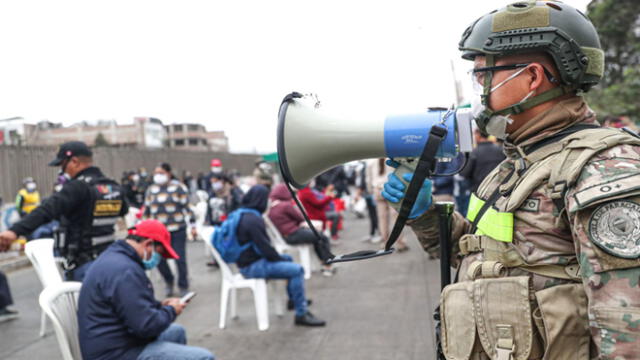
x=551 y=27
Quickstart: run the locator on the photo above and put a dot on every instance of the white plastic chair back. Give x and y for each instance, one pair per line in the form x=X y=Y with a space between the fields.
x=40 y=253
x=60 y=303
x=227 y=273
x=276 y=237
x=202 y=196
x=200 y=212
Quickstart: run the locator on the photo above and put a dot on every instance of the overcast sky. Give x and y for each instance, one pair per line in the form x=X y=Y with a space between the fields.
x=227 y=64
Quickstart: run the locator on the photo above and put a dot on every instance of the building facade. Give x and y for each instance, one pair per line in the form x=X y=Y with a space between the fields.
x=195 y=137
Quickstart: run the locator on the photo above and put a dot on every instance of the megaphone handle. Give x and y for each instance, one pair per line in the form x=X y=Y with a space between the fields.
x=426 y=166
x=407 y=166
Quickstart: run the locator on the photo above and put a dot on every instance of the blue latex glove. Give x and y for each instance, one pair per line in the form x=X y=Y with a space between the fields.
x=394 y=191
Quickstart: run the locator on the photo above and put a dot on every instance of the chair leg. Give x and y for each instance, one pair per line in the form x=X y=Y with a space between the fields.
x=234 y=303
x=43 y=323
x=276 y=296
x=224 y=299
x=305 y=261
x=262 y=304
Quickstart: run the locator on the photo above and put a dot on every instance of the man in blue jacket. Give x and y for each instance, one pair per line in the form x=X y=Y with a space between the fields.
x=118 y=316
x=263 y=261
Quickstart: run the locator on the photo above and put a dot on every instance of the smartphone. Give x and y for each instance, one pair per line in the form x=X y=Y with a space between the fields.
x=185 y=299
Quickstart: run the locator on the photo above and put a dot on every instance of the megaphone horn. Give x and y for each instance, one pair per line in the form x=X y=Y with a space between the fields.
x=311 y=141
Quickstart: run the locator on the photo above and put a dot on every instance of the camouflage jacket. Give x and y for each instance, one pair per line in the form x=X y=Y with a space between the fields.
x=599 y=229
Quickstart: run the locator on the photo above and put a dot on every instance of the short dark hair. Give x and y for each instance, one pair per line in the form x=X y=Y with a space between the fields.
x=136 y=238
x=165 y=166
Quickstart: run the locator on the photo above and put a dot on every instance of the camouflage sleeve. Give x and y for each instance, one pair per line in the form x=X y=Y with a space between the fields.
x=427 y=231
x=604 y=211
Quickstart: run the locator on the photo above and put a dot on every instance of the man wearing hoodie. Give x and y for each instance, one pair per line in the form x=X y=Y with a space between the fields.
x=288 y=220
x=263 y=261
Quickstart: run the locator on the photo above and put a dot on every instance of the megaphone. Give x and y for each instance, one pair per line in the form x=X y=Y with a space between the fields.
x=311 y=141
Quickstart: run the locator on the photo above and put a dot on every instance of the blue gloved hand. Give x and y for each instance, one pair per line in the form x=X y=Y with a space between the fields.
x=394 y=191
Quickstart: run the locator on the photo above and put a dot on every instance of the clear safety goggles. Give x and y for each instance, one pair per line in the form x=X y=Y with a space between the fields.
x=477 y=75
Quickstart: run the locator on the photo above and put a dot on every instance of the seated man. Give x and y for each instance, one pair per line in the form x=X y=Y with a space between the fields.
x=118 y=317
x=291 y=225
x=263 y=261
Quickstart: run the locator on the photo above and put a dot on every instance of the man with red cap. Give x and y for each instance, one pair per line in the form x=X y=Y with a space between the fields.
x=118 y=316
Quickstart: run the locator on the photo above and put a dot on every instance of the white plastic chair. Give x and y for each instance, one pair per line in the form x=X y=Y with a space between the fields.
x=231 y=282
x=40 y=253
x=304 y=250
x=60 y=303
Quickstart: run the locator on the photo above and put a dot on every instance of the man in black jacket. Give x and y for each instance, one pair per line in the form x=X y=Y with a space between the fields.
x=118 y=316
x=484 y=158
x=87 y=207
x=263 y=261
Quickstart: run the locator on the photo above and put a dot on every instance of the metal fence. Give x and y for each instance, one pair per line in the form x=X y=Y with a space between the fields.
x=19 y=162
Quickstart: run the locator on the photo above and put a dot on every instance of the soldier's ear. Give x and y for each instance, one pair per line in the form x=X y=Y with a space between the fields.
x=535 y=75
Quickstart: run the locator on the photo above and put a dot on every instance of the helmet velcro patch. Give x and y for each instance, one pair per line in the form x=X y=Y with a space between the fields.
x=512 y=20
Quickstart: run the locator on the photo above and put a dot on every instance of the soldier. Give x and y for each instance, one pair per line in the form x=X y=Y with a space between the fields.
x=87 y=206
x=548 y=258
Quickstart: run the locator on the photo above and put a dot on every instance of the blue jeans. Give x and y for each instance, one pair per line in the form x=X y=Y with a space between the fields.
x=294 y=273
x=178 y=243
x=172 y=345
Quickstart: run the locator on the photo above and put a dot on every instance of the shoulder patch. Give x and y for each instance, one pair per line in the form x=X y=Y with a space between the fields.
x=607 y=189
x=615 y=228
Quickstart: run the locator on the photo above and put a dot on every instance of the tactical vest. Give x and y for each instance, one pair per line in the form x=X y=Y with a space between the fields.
x=507 y=317
x=80 y=243
x=30 y=200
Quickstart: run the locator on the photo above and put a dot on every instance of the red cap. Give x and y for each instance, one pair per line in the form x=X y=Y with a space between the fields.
x=216 y=162
x=155 y=230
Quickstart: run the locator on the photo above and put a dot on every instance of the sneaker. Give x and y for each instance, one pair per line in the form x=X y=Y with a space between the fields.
x=309 y=320
x=169 y=291
x=183 y=292
x=7 y=314
x=328 y=272
x=290 y=304
x=376 y=239
x=366 y=238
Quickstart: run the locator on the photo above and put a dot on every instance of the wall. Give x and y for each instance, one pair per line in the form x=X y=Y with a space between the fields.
x=20 y=162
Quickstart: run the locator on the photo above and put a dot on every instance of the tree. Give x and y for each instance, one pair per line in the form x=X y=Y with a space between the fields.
x=618 y=25
x=100 y=140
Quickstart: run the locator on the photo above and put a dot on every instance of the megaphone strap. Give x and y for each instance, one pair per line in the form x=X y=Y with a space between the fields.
x=426 y=166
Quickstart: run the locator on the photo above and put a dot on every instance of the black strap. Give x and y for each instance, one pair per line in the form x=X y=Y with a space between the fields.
x=426 y=167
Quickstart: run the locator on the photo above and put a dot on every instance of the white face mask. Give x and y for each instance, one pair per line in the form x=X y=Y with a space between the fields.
x=217 y=186
x=31 y=186
x=135 y=178
x=216 y=169
x=160 y=179
x=497 y=125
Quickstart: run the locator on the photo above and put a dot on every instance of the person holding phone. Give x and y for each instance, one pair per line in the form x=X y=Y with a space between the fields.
x=118 y=316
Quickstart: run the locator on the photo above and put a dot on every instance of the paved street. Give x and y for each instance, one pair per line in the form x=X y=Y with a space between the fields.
x=376 y=309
